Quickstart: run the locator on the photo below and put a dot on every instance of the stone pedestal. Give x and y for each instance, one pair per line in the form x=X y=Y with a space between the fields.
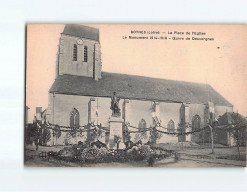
x=116 y=129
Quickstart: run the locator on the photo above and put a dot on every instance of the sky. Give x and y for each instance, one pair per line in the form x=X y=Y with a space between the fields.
x=222 y=63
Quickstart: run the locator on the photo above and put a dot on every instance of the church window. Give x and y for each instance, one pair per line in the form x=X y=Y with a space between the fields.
x=75 y=53
x=142 y=125
x=74 y=118
x=196 y=122
x=85 y=54
x=171 y=127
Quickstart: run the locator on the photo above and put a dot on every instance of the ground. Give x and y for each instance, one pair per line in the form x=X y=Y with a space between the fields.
x=190 y=156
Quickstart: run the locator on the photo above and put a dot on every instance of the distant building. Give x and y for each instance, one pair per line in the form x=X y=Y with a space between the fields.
x=26 y=115
x=27 y=129
x=40 y=116
x=81 y=93
x=229 y=122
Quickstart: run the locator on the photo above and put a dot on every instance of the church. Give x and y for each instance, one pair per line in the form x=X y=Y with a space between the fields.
x=82 y=94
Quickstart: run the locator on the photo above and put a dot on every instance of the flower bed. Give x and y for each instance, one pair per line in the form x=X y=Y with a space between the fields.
x=81 y=154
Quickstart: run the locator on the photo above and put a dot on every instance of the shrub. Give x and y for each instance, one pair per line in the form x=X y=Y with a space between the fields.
x=69 y=153
x=79 y=153
x=139 y=152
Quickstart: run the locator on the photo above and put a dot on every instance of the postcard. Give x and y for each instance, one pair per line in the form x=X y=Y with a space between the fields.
x=135 y=95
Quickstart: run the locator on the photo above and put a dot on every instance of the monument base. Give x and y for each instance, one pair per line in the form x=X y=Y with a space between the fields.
x=116 y=131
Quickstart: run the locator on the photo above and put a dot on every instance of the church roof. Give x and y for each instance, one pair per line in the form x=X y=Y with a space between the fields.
x=81 y=31
x=138 y=87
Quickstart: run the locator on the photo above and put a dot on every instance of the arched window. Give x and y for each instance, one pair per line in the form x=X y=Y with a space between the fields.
x=75 y=53
x=74 y=118
x=85 y=53
x=142 y=125
x=196 y=121
x=171 y=127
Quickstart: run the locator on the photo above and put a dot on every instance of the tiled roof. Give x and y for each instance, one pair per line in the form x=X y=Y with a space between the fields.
x=138 y=87
x=81 y=31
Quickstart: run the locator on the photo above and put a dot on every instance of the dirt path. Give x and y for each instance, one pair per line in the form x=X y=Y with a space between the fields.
x=197 y=163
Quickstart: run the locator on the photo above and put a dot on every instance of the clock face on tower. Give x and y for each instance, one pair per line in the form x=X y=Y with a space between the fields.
x=79 y=41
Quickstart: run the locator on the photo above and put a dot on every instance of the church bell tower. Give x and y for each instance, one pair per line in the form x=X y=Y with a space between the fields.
x=79 y=52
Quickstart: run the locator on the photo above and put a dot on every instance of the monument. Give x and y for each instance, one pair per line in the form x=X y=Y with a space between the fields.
x=116 y=124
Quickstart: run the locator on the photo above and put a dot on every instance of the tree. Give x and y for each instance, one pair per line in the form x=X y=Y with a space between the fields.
x=154 y=135
x=56 y=132
x=117 y=140
x=239 y=131
x=236 y=134
x=235 y=124
x=141 y=135
x=98 y=131
x=46 y=136
x=212 y=138
x=126 y=134
x=37 y=133
x=91 y=136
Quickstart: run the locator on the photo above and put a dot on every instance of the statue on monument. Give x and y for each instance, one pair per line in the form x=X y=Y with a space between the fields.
x=115 y=105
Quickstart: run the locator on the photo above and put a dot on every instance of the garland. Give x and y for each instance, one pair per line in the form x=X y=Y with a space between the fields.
x=140 y=130
x=80 y=129
x=93 y=127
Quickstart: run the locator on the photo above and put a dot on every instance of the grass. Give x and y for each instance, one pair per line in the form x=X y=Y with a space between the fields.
x=205 y=151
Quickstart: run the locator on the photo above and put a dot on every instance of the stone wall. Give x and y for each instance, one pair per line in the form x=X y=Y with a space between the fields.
x=97 y=110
